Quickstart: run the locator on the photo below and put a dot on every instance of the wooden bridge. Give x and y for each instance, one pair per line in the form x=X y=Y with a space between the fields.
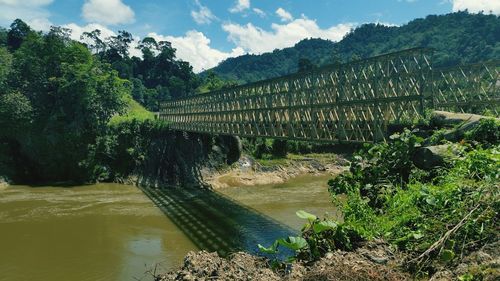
x=352 y=102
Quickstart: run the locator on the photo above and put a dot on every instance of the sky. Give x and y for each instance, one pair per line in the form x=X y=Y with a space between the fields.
x=206 y=32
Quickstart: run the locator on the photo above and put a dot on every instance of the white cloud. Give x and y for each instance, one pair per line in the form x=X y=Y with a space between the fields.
x=257 y=40
x=195 y=48
x=43 y=24
x=77 y=30
x=259 y=12
x=203 y=15
x=29 y=3
x=476 y=6
x=240 y=6
x=107 y=12
x=284 y=15
x=31 y=11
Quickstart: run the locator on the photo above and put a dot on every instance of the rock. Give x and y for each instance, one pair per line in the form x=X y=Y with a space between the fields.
x=209 y=266
x=459 y=124
x=430 y=157
x=445 y=275
x=4 y=182
x=216 y=149
x=316 y=165
x=450 y=119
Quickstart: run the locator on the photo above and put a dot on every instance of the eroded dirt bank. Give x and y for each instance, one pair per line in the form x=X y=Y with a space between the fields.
x=373 y=261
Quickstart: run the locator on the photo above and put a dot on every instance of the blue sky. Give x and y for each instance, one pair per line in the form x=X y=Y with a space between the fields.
x=206 y=32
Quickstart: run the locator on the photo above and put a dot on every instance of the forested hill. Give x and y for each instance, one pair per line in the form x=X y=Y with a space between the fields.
x=458 y=38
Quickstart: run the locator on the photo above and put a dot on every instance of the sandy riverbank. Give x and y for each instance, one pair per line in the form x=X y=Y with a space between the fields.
x=250 y=172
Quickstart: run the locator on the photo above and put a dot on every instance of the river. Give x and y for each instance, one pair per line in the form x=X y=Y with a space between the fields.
x=114 y=232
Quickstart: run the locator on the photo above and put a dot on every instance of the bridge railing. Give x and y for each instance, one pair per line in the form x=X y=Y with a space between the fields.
x=353 y=102
x=471 y=88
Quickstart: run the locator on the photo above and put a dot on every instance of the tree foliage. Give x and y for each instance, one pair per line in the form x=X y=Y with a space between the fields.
x=60 y=97
x=57 y=97
x=157 y=77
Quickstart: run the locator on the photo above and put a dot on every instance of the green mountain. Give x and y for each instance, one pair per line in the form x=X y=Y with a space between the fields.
x=457 y=38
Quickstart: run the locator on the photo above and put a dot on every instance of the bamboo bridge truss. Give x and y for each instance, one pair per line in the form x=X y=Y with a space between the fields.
x=352 y=102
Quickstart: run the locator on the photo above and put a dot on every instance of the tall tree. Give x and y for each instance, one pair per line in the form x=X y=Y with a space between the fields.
x=93 y=41
x=19 y=30
x=305 y=65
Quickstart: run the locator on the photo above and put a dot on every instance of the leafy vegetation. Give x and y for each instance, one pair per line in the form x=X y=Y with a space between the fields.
x=156 y=77
x=276 y=149
x=62 y=101
x=56 y=100
x=457 y=38
x=212 y=82
x=123 y=148
x=434 y=216
x=133 y=111
x=318 y=237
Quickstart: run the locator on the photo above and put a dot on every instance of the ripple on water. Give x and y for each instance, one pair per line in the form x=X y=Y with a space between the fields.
x=23 y=203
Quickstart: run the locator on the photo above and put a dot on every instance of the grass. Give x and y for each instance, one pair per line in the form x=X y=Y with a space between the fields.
x=134 y=111
x=269 y=160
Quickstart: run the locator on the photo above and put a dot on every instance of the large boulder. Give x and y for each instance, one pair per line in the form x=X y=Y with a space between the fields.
x=430 y=157
x=449 y=119
x=231 y=146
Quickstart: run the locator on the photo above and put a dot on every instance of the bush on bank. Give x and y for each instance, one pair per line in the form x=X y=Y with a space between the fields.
x=123 y=148
x=435 y=216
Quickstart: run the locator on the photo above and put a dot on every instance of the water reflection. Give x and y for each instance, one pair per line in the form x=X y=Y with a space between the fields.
x=281 y=201
x=215 y=222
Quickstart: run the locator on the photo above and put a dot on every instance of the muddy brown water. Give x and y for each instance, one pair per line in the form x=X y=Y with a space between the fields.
x=114 y=232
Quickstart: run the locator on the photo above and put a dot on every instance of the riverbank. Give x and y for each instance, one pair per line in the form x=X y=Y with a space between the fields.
x=251 y=172
x=372 y=261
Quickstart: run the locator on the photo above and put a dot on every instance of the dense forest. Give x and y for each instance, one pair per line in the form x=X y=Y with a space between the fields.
x=59 y=96
x=457 y=38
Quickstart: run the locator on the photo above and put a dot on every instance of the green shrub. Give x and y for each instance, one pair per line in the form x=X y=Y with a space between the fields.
x=318 y=237
x=486 y=133
x=279 y=148
x=261 y=148
x=377 y=169
x=123 y=148
x=413 y=214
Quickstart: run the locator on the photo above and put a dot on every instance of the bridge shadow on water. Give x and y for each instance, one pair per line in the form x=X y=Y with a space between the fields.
x=215 y=222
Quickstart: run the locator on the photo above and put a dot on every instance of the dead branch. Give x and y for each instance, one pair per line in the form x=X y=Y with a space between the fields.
x=445 y=237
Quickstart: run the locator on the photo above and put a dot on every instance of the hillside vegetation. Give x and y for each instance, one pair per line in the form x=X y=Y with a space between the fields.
x=73 y=112
x=457 y=38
